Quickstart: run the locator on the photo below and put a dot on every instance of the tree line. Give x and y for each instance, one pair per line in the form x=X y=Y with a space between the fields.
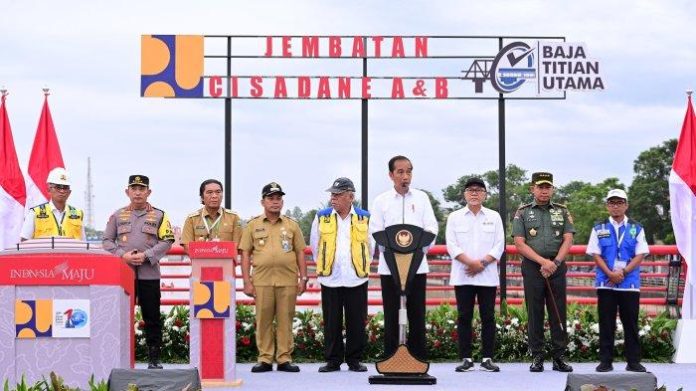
x=648 y=197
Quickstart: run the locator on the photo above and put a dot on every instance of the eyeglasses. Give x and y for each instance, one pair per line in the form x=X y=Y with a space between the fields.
x=616 y=203
x=61 y=187
x=473 y=190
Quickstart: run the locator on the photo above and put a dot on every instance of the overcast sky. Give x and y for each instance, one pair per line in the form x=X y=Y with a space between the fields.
x=89 y=56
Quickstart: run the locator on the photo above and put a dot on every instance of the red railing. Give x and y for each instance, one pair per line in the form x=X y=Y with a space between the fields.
x=654 y=272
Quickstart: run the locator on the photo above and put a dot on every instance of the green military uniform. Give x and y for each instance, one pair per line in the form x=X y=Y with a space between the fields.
x=543 y=227
x=274 y=248
x=200 y=226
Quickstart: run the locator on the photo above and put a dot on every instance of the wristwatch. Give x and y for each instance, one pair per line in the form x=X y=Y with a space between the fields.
x=558 y=262
x=305 y=278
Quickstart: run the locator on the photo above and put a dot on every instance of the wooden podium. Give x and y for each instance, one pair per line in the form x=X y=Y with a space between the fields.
x=65 y=308
x=212 y=312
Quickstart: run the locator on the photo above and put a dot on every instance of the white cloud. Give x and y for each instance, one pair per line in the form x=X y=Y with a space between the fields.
x=88 y=54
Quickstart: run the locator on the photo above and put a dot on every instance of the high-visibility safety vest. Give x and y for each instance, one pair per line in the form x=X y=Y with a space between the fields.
x=359 y=242
x=46 y=224
x=618 y=249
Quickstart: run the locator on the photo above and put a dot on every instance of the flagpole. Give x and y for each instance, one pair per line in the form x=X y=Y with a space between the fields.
x=691 y=282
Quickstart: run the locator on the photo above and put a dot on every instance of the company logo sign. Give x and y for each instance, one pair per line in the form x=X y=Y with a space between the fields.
x=212 y=250
x=550 y=66
x=512 y=67
x=52 y=318
x=61 y=272
x=171 y=66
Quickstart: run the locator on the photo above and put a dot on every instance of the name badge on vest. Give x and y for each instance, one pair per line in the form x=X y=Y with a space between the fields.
x=603 y=233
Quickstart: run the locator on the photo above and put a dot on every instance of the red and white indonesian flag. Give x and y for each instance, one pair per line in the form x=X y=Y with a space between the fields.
x=682 y=195
x=13 y=194
x=45 y=156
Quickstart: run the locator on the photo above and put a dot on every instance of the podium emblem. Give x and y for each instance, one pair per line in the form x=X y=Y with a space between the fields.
x=404 y=238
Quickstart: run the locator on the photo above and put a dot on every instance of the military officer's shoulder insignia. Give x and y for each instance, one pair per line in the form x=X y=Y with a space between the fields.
x=557 y=205
x=193 y=215
x=158 y=209
x=521 y=209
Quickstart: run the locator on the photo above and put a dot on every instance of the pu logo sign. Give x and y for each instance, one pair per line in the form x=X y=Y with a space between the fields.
x=171 y=66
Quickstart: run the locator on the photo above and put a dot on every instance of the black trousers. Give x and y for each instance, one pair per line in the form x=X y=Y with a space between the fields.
x=415 y=310
x=334 y=302
x=148 y=293
x=466 y=294
x=628 y=304
x=536 y=296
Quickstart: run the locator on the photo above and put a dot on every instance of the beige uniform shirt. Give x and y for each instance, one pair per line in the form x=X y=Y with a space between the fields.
x=274 y=248
x=229 y=227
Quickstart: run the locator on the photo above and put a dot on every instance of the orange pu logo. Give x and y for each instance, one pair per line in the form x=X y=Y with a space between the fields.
x=171 y=66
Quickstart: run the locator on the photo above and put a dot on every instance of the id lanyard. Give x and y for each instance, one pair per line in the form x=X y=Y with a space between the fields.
x=59 y=224
x=210 y=228
x=620 y=264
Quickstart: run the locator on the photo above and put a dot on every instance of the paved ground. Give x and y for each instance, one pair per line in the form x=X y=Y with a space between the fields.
x=513 y=376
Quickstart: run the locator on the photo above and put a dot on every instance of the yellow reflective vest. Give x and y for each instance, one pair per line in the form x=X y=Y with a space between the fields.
x=359 y=242
x=46 y=225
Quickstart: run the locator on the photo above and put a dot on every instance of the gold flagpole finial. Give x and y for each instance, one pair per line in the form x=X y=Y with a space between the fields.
x=46 y=91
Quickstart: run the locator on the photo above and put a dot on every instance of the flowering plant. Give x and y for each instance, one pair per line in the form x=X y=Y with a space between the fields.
x=655 y=335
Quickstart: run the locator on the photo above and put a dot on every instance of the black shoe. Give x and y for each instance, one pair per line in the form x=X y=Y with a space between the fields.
x=467 y=365
x=262 y=367
x=330 y=367
x=560 y=365
x=288 y=367
x=604 y=367
x=537 y=364
x=357 y=367
x=487 y=365
x=635 y=367
x=153 y=361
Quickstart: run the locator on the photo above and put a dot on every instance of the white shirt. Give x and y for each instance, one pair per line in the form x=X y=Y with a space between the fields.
x=28 y=226
x=593 y=243
x=343 y=272
x=390 y=208
x=475 y=235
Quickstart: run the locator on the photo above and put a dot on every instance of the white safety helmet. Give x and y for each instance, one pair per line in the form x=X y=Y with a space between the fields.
x=58 y=176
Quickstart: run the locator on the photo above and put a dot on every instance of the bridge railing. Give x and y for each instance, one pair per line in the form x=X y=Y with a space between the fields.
x=656 y=272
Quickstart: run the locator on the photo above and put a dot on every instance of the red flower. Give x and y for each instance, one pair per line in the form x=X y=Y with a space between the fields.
x=455 y=335
x=187 y=338
x=245 y=341
x=373 y=338
x=141 y=325
x=437 y=344
x=178 y=323
x=584 y=348
x=578 y=326
x=238 y=325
